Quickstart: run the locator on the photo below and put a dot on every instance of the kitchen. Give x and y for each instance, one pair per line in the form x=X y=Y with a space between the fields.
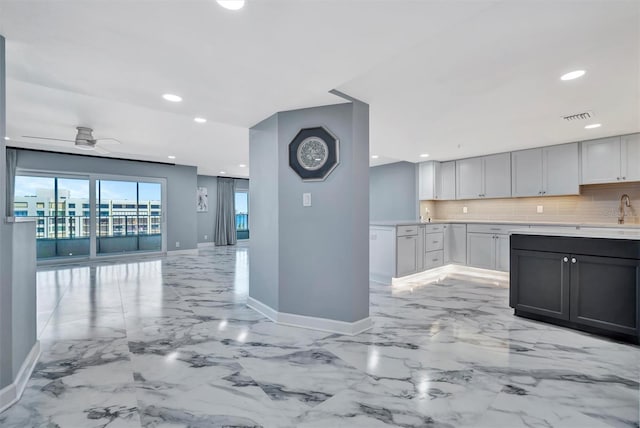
x=483 y=215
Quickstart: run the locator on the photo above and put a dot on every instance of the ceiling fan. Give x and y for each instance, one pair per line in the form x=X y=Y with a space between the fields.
x=84 y=140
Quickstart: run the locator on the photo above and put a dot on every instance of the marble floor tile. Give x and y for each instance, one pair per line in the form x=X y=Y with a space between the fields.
x=170 y=342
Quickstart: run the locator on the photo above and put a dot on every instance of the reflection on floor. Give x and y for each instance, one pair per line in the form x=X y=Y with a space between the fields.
x=170 y=342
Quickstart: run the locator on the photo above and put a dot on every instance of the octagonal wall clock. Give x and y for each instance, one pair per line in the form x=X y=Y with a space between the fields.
x=314 y=153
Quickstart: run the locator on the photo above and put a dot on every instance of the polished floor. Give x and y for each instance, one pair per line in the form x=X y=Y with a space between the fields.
x=169 y=342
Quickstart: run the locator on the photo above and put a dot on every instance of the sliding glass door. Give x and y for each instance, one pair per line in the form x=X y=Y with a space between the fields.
x=121 y=216
x=242 y=214
x=128 y=216
x=60 y=208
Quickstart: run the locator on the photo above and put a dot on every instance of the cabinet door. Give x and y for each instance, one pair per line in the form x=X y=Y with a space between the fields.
x=469 y=182
x=481 y=250
x=526 y=176
x=497 y=176
x=420 y=249
x=601 y=161
x=502 y=252
x=630 y=157
x=604 y=293
x=426 y=180
x=446 y=181
x=560 y=170
x=407 y=255
x=540 y=283
x=455 y=245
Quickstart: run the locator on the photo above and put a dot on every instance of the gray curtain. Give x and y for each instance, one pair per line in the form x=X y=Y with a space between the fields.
x=225 y=231
x=12 y=164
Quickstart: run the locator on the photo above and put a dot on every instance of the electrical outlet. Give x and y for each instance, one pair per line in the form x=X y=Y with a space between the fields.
x=465 y=210
x=206 y=237
x=540 y=209
x=306 y=199
x=177 y=244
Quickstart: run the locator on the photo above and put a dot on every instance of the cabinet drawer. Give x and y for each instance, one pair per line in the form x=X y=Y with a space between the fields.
x=407 y=230
x=496 y=229
x=433 y=259
x=433 y=241
x=432 y=228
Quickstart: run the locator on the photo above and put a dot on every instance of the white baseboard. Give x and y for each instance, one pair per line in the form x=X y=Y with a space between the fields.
x=313 y=323
x=499 y=278
x=206 y=244
x=190 y=252
x=11 y=393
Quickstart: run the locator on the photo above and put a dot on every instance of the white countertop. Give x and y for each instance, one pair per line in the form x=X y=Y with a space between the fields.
x=515 y=223
x=573 y=232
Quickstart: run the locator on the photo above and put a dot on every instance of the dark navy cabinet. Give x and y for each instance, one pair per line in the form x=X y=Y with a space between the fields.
x=584 y=283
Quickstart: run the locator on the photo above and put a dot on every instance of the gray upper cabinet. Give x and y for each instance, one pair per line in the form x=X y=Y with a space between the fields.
x=469 y=178
x=446 y=181
x=484 y=177
x=630 y=157
x=427 y=180
x=437 y=180
x=546 y=171
x=611 y=160
x=601 y=161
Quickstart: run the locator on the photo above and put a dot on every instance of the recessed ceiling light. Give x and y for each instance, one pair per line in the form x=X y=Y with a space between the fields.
x=231 y=4
x=424 y=155
x=223 y=172
x=572 y=75
x=242 y=165
x=173 y=98
x=200 y=120
x=593 y=125
x=374 y=156
x=171 y=157
x=7 y=138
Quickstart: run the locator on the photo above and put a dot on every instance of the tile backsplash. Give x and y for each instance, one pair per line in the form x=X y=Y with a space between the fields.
x=595 y=204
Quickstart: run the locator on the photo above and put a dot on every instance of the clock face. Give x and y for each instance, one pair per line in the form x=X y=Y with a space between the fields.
x=312 y=153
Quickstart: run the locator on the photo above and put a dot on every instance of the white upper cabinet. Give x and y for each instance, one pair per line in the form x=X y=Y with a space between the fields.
x=630 y=157
x=446 y=181
x=484 y=177
x=427 y=180
x=546 y=171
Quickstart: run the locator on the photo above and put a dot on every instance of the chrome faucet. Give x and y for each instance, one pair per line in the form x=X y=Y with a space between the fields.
x=624 y=202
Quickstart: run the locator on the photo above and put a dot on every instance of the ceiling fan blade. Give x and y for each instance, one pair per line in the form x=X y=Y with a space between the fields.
x=101 y=150
x=109 y=140
x=46 y=138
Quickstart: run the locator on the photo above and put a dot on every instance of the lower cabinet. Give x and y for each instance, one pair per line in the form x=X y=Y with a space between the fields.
x=596 y=292
x=455 y=244
x=488 y=251
x=407 y=255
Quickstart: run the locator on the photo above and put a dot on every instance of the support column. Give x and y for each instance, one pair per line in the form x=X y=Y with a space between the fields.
x=309 y=265
x=19 y=348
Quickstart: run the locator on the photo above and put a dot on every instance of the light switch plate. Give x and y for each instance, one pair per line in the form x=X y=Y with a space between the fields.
x=306 y=199
x=465 y=210
x=540 y=209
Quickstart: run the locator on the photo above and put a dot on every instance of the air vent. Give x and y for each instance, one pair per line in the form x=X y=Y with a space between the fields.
x=578 y=116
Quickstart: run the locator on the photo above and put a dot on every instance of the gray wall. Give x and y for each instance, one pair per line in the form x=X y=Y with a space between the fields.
x=322 y=251
x=181 y=186
x=394 y=192
x=207 y=221
x=264 y=156
x=6 y=244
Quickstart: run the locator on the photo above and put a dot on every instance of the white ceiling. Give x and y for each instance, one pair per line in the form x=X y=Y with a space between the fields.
x=447 y=78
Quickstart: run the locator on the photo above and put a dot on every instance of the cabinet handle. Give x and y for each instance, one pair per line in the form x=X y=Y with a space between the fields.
x=624 y=178
x=435 y=242
x=573 y=260
x=408 y=237
x=617 y=178
x=566 y=259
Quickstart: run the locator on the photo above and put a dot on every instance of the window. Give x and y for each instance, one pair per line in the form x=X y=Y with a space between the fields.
x=72 y=205
x=40 y=213
x=40 y=205
x=85 y=205
x=20 y=213
x=242 y=214
x=19 y=205
x=130 y=206
x=72 y=213
x=117 y=206
x=155 y=207
x=85 y=213
x=142 y=206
